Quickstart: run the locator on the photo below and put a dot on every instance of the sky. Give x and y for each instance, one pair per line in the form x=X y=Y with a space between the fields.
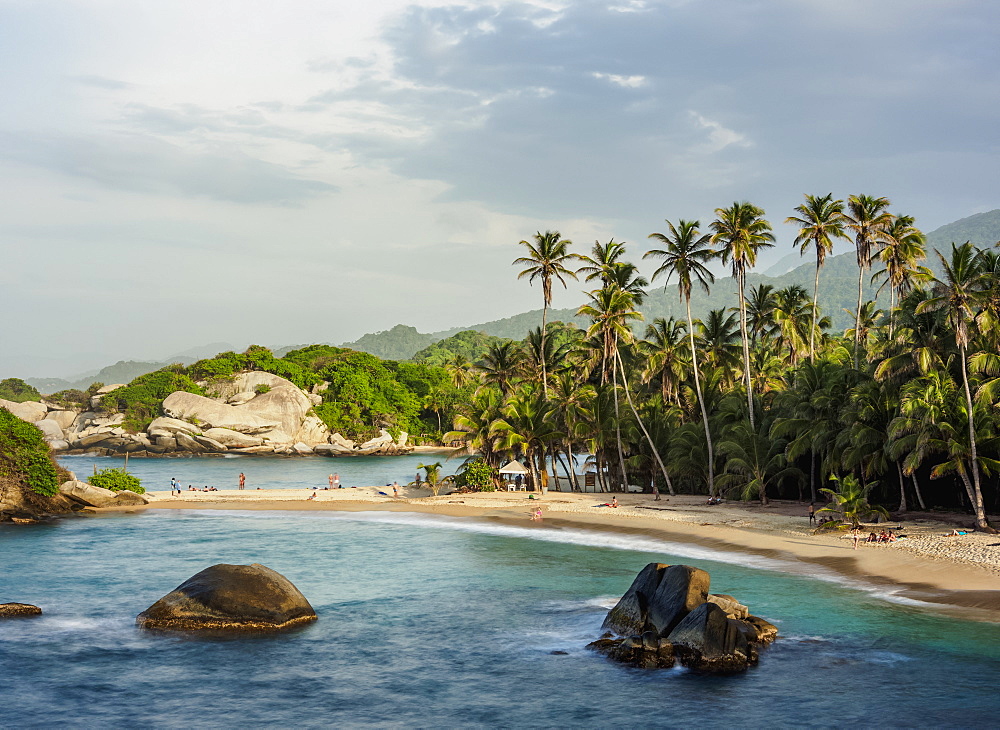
x=174 y=174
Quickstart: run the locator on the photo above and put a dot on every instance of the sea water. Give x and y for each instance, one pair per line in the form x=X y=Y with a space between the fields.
x=266 y=472
x=437 y=621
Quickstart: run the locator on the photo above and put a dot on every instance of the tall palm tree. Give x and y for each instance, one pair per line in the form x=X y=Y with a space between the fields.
x=795 y=320
x=546 y=260
x=820 y=220
x=869 y=219
x=685 y=255
x=528 y=424
x=959 y=292
x=603 y=257
x=741 y=231
x=571 y=400
x=760 y=312
x=719 y=342
x=905 y=245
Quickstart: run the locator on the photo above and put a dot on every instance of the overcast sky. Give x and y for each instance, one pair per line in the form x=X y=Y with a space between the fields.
x=178 y=173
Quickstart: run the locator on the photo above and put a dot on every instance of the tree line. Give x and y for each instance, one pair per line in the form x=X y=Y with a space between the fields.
x=761 y=400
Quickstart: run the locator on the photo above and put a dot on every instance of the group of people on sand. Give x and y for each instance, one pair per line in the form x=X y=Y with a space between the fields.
x=175 y=488
x=883 y=536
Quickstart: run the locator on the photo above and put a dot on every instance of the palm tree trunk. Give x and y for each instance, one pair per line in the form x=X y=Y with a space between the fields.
x=812 y=332
x=812 y=476
x=857 y=318
x=572 y=463
x=652 y=446
x=618 y=430
x=701 y=402
x=977 y=494
x=746 y=347
x=916 y=488
x=902 y=488
x=541 y=355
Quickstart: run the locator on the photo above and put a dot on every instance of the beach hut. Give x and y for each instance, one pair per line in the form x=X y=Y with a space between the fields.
x=510 y=471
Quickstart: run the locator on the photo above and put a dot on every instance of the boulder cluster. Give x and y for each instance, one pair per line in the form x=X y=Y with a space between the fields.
x=668 y=616
x=252 y=413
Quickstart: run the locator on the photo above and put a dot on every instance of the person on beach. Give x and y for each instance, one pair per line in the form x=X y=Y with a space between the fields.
x=330 y=480
x=243 y=480
x=538 y=514
x=614 y=501
x=395 y=489
x=812 y=513
x=416 y=479
x=311 y=496
x=336 y=482
x=856 y=536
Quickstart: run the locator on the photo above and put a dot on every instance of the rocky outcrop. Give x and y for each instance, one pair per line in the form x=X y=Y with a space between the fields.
x=254 y=412
x=668 y=615
x=230 y=598
x=91 y=496
x=18 y=610
x=212 y=414
x=29 y=411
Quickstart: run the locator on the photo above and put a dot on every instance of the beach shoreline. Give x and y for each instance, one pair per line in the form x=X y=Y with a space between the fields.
x=959 y=575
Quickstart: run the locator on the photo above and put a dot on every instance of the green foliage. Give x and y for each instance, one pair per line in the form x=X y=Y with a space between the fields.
x=261 y=389
x=469 y=344
x=69 y=398
x=850 y=501
x=17 y=391
x=478 y=475
x=227 y=364
x=141 y=400
x=24 y=456
x=117 y=480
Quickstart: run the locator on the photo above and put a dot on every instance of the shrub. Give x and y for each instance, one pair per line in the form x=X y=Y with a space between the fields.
x=16 y=390
x=477 y=474
x=117 y=480
x=70 y=398
x=24 y=455
x=261 y=389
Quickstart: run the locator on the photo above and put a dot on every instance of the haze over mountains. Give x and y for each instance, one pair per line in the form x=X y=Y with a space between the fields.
x=838 y=291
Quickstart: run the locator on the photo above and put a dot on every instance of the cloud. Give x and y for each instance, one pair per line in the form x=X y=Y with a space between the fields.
x=719 y=137
x=101 y=82
x=628 y=82
x=139 y=163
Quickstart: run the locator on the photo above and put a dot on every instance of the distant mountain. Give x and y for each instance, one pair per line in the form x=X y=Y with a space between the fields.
x=203 y=351
x=123 y=371
x=399 y=343
x=981 y=229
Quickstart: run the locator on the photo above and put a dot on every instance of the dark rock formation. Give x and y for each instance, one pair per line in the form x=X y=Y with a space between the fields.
x=230 y=598
x=667 y=615
x=18 y=610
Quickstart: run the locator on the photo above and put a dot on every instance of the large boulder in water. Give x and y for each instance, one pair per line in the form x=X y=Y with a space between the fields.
x=230 y=598
x=667 y=614
x=659 y=597
x=88 y=494
x=18 y=610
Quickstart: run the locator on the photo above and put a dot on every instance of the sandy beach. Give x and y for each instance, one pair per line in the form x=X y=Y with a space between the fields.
x=960 y=574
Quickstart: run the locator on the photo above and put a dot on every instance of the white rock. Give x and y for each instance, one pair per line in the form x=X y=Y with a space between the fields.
x=212 y=414
x=209 y=443
x=29 y=411
x=286 y=404
x=313 y=431
x=339 y=440
x=105 y=389
x=187 y=443
x=50 y=428
x=233 y=439
x=301 y=448
x=87 y=493
x=65 y=419
x=241 y=398
x=59 y=445
x=173 y=425
x=401 y=441
x=383 y=439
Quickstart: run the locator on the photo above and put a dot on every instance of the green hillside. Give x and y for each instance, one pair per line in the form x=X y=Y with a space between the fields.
x=399 y=343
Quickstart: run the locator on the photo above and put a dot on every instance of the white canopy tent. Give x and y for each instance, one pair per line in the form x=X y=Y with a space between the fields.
x=514 y=467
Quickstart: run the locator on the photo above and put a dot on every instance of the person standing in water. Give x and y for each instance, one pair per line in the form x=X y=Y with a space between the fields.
x=243 y=480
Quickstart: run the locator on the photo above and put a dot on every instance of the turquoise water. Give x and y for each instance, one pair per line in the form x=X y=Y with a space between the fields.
x=266 y=472
x=432 y=621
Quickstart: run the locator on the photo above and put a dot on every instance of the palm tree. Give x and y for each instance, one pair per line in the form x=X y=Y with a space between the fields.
x=960 y=294
x=741 y=231
x=794 y=317
x=754 y=459
x=571 y=400
x=904 y=246
x=869 y=219
x=719 y=342
x=662 y=347
x=528 y=423
x=850 y=500
x=433 y=476
x=459 y=369
x=820 y=221
x=603 y=257
x=546 y=260
x=760 y=312
x=502 y=364
x=685 y=253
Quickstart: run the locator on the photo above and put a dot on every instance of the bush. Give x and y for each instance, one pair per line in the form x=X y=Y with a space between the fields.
x=117 y=480
x=477 y=474
x=70 y=398
x=24 y=455
x=16 y=390
x=261 y=389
